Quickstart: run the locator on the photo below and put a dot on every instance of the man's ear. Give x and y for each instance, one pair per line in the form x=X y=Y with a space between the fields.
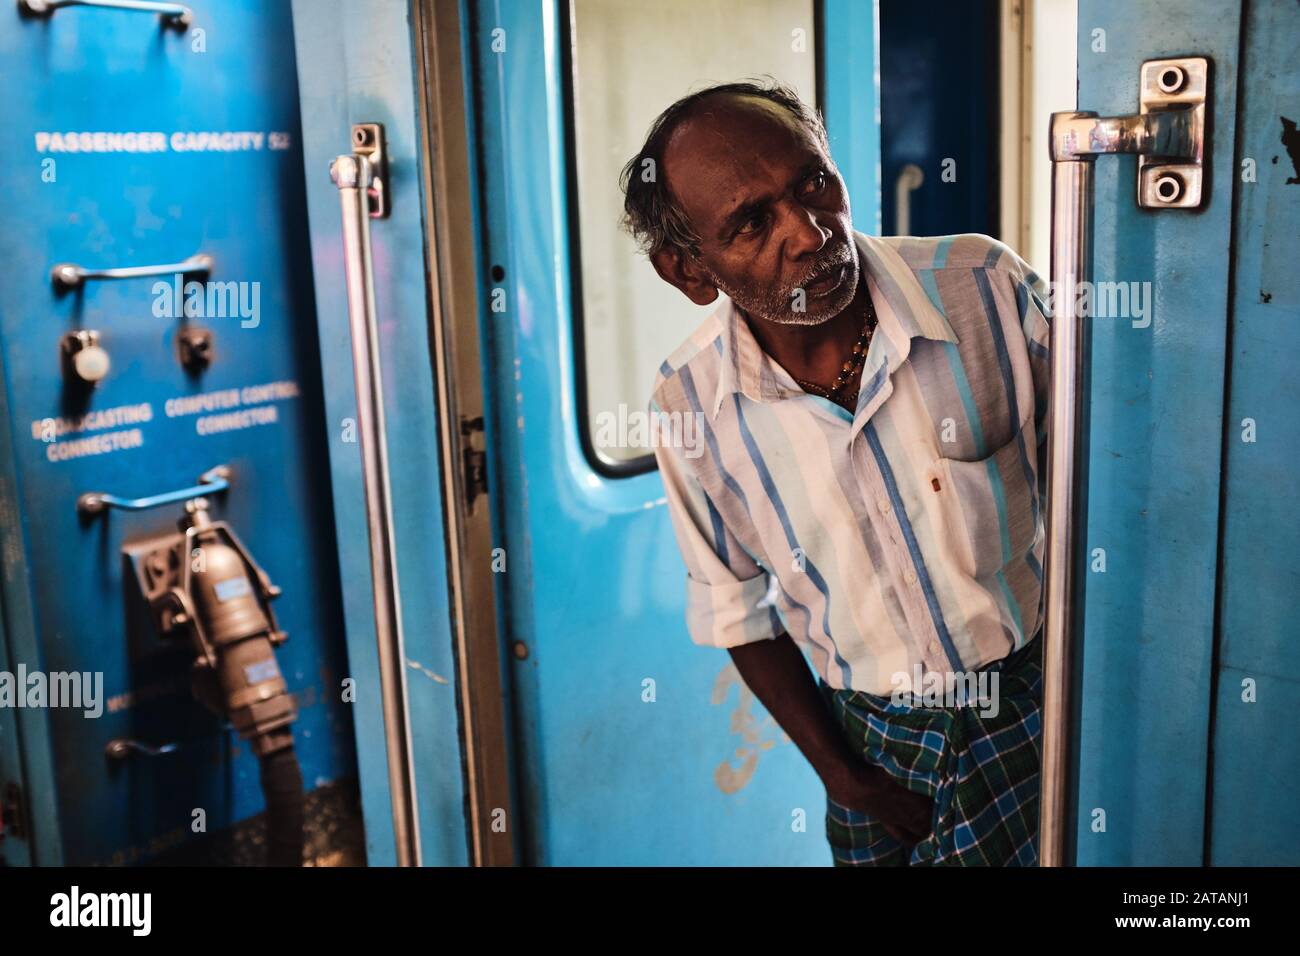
x=677 y=268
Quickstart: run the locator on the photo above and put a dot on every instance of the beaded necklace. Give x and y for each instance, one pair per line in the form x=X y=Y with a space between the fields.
x=850 y=368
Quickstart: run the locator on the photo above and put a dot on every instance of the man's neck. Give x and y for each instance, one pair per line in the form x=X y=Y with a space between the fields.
x=814 y=353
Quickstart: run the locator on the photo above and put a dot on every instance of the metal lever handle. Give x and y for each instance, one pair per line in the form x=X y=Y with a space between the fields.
x=210 y=482
x=1168 y=134
x=67 y=275
x=173 y=14
x=120 y=748
x=354 y=177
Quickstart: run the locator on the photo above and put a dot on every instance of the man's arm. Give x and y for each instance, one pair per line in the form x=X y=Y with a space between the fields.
x=776 y=672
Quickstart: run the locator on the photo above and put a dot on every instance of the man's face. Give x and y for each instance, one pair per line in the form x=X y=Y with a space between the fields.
x=770 y=208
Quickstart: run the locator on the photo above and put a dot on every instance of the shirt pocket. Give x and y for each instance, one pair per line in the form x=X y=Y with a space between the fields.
x=990 y=506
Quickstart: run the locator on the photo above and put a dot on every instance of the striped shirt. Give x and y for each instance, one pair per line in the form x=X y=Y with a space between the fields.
x=898 y=541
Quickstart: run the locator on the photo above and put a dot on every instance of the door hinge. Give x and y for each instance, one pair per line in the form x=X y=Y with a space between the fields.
x=473 y=460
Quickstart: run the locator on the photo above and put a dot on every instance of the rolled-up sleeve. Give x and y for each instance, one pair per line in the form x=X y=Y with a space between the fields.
x=1031 y=293
x=727 y=592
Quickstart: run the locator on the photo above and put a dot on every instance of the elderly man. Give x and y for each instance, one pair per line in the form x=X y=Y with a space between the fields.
x=873 y=417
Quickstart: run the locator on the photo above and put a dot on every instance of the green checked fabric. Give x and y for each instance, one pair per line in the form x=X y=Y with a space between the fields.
x=981 y=769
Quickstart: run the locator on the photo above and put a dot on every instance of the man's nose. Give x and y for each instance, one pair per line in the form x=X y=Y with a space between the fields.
x=805 y=235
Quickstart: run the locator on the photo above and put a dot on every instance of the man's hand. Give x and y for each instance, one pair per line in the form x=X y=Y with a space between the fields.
x=904 y=813
x=776 y=672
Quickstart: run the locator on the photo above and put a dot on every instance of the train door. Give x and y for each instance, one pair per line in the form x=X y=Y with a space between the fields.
x=634 y=746
x=1254 y=769
x=1189 y=654
x=510 y=320
x=388 y=200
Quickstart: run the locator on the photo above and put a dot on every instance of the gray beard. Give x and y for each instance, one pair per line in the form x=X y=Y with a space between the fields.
x=776 y=308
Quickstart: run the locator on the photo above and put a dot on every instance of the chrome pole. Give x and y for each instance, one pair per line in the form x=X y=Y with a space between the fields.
x=1072 y=204
x=352 y=174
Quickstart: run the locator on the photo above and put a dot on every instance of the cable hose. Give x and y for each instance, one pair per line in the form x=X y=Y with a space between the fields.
x=282 y=786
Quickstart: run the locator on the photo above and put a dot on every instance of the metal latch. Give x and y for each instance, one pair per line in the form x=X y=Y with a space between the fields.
x=368 y=141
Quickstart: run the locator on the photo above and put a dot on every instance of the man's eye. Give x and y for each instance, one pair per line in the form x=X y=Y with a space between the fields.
x=817 y=183
x=752 y=225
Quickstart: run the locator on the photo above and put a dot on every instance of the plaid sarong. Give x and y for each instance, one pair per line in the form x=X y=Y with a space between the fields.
x=981 y=770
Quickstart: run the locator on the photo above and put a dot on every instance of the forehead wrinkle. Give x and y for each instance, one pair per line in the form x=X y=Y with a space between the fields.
x=720 y=140
x=723 y=156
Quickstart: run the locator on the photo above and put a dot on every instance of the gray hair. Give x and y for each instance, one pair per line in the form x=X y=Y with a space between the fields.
x=651 y=214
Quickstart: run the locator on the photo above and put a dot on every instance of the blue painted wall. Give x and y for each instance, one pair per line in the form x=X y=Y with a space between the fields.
x=85 y=69
x=848 y=83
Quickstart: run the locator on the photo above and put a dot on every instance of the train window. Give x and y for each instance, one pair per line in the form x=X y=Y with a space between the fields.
x=629 y=62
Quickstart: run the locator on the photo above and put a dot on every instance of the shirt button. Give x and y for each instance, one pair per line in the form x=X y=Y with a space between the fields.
x=883 y=505
x=910 y=576
x=935 y=648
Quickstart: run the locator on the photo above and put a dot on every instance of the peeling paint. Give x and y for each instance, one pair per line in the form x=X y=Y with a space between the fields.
x=757 y=736
x=1291 y=140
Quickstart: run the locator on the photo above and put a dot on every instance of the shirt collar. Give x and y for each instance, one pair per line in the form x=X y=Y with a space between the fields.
x=904 y=309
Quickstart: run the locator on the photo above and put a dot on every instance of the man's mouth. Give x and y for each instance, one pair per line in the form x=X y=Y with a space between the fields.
x=826 y=284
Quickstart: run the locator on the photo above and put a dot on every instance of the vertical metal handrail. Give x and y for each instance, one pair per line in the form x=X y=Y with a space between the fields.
x=352 y=174
x=1072 y=206
x=1168 y=136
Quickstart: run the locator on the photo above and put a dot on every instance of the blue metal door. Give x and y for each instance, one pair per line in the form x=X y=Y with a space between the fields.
x=357 y=64
x=635 y=746
x=1190 y=662
x=1255 y=754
